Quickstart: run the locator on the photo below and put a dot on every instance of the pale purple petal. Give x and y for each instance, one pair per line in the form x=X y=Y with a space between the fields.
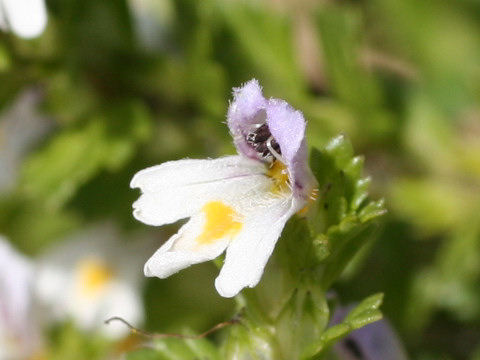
x=302 y=177
x=287 y=126
x=246 y=110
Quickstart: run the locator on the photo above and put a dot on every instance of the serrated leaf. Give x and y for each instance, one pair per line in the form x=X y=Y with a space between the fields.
x=345 y=245
x=341 y=150
x=344 y=213
x=361 y=193
x=354 y=167
x=321 y=247
x=338 y=172
x=372 y=210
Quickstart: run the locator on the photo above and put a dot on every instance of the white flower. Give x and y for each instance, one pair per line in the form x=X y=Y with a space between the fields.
x=19 y=333
x=26 y=18
x=236 y=203
x=91 y=278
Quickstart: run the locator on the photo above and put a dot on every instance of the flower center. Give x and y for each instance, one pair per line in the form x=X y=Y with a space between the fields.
x=93 y=275
x=262 y=141
x=221 y=221
x=279 y=174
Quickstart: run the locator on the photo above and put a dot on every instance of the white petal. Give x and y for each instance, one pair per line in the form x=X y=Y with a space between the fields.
x=178 y=189
x=62 y=273
x=27 y=18
x=16 y=321
x=124 y=301
x=248 y=254
x=15 y=298
x=194 y=242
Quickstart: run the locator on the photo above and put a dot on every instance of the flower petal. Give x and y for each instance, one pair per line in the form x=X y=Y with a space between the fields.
x=27 y=18
x=288 y=126
x=16 y=298
x=248 y=254
x=178 y=189
x=246 y=109
x=16 y=305
x=203 y=238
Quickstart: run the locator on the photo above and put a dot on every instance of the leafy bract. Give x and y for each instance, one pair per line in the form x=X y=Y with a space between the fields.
x=344 y=218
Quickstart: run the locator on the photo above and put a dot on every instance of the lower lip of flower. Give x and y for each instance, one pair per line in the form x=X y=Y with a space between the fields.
x=221 y=221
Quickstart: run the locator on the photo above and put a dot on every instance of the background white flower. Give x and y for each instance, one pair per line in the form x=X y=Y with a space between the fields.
x=19 y=333
x=92 y=277
x=26 y=18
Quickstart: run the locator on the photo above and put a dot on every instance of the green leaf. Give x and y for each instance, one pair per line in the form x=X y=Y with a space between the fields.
x=174 y=348
x=344 y=218
x=76 y=155
x=248 y=340
x=372 y=302
x=345 y=240
x=363 y=314
x=312 y=253
x=69 y=343
x=302 y=321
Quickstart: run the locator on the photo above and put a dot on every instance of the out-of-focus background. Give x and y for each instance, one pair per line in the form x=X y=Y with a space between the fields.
x=112 y=86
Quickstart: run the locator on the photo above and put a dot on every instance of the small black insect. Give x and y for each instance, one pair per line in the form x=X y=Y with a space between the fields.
x=264 y=143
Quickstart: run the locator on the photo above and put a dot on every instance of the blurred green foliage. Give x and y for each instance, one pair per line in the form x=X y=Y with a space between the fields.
x=400 y=78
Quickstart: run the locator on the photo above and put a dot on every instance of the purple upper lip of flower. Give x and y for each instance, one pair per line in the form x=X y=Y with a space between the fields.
x=249 y=110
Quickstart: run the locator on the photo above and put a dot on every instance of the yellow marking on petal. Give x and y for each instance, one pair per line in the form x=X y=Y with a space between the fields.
x=93 y=275
x=221 y=221
x=279 y=174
